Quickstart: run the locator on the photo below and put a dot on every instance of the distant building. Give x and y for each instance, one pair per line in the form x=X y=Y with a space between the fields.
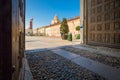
x=53 y=30
x=55 y=20
x=31 y=24
x=35 y=32
x=101 y=22
x=29 y=31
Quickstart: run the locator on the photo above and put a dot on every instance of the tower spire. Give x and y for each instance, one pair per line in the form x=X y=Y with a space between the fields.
x=31 y=23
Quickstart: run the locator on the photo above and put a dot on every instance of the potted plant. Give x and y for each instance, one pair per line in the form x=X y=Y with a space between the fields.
x=69 y=36
x=64 y=29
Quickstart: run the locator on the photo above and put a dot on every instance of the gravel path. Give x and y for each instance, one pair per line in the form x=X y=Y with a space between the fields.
x=45 y=65
x=108 y=60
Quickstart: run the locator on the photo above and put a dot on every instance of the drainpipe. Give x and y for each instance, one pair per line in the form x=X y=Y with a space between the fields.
x=81 y=20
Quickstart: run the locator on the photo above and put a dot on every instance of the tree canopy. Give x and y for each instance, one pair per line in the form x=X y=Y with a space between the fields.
x=77 y=28
x=64 y=26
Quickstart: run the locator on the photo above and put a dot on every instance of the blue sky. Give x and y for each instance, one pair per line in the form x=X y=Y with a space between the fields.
x=43 y=11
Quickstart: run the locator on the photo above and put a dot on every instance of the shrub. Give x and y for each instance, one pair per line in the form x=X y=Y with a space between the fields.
x=77 y=36
x=69 y=37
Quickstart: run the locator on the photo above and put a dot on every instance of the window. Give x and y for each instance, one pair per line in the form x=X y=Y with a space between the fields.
x=73 y=23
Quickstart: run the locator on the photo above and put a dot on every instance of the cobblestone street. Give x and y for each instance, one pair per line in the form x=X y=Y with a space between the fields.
x=46 y=65
x=54 y=59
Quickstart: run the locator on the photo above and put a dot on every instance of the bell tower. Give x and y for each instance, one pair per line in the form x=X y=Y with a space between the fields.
x=55 y=20
x=31 y=24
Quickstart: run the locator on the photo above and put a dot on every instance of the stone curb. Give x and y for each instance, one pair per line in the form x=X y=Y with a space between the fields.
x=25 y=73
x=28 y=74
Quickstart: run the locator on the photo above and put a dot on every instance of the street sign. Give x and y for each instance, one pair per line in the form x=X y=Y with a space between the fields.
x=81 y=26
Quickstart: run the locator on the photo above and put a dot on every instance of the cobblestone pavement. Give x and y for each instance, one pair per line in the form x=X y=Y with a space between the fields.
x=45 y=65
x=108 y=60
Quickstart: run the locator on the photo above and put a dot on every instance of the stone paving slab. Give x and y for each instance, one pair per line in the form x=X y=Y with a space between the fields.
x=99 y=68
x=66 y=54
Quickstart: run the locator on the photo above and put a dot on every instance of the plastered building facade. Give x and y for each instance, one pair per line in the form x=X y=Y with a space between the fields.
x=53 y=30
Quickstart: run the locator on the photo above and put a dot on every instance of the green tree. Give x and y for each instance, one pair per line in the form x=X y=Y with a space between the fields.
x=77 y=28
x=64 y=27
